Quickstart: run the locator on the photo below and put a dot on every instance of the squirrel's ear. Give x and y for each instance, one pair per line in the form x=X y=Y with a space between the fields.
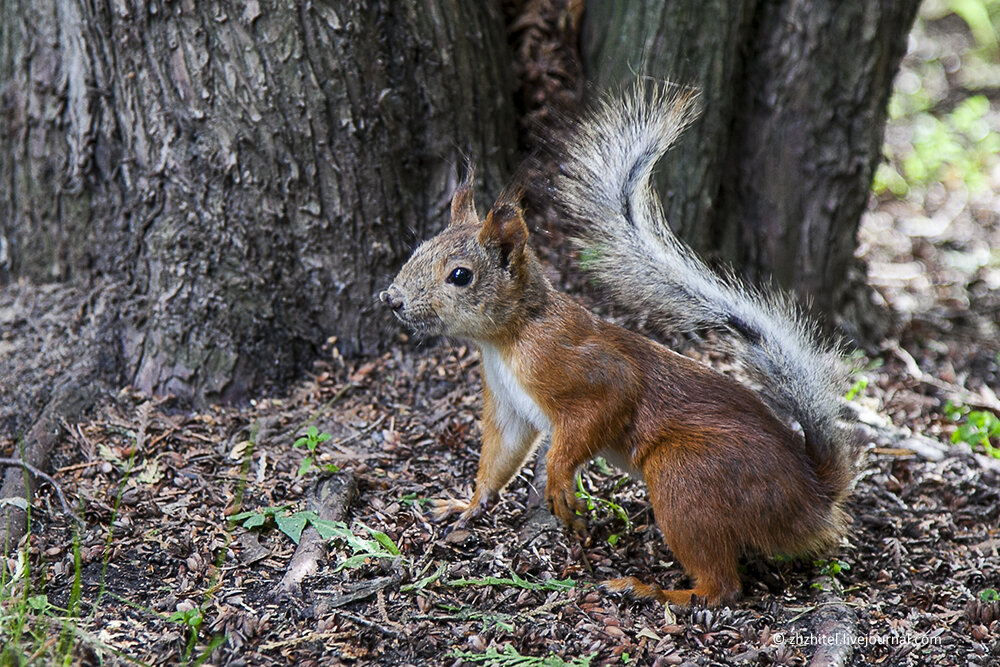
x=505 y=230
x=463 y=205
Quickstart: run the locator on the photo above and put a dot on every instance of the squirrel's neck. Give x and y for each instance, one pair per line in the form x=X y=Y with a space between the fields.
x=533 y=301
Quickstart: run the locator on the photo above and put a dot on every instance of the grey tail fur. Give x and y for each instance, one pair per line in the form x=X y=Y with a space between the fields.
x=605 y=186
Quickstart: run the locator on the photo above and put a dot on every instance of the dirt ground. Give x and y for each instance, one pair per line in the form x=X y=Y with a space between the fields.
x=157 y=572
x=155 y=486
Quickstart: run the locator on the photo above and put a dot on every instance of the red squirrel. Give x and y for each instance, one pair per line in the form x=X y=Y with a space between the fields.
x=727 y=473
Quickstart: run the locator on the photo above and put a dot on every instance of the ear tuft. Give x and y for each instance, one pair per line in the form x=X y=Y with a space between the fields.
x=505 y=230
x=463 y=205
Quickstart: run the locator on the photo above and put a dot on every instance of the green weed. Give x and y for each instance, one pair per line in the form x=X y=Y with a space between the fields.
x=832 y=569
x=35 y=631
x=192 y=620
x=597 y=505
x=293 y=523
x=489 y=620
x=423 y=583
x=858 y=388
x=516 y=582
x=509 y=657
x=989 y=595
x=975 y=427
x=311 y=441
x=954 y=147
x=412 y=499
x=362 y=549
x=959 y=147
x=979 y=16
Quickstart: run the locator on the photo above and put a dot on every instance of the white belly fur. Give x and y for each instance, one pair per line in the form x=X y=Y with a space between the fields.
x=516 y=411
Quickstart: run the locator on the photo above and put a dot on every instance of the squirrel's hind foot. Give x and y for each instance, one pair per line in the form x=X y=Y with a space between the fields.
x=710 y=596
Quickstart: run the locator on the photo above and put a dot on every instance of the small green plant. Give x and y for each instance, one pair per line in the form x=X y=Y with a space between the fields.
x=35 y=631
x=959 y=147
x=975 y=427
x=509 y=657
x=857 y=388
x=192 y=620
x=594 y=503
x=517 y=582
x=311 y=441
x=293 y=523
x=362 y=549
x=412 y=499
x=832 y=569
x=21 y=636
x=489 y=620
x=290 y=523
x=989 y=595
x=976 y=14
x=424 y=582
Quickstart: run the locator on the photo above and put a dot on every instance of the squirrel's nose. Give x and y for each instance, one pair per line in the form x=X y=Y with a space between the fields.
x=392 y=298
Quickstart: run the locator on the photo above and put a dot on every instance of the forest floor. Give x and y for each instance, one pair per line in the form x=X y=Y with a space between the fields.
x=163 y=569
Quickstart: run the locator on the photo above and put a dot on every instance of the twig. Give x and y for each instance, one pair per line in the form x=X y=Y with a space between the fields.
x=343 y=442
x=364 y=621
x=51 y=482
x=330 y=498
x=880 y=430
x=323 y=408
x=384 y=615
x=547 y=607
x=311 y=637
x=79 y=466
x=985 y=402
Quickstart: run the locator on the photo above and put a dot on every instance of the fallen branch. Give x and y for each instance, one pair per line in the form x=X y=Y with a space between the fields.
x=836 y=622
x=359 y=591
x=877 y=428
x=389 y=632
x=986 y=400
x=330 y=499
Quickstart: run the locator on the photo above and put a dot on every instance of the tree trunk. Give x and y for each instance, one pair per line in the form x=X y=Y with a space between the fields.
x=254 y=172
x=776 y=173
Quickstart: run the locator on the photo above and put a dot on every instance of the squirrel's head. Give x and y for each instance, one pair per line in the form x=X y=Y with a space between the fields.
x=466 y=281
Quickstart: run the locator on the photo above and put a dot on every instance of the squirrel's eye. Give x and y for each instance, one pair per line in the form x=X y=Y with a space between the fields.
x=460 y=277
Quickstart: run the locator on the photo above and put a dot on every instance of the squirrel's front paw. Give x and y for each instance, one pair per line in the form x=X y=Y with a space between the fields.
x=443 y=508
x=564 y=504
x=467 y=511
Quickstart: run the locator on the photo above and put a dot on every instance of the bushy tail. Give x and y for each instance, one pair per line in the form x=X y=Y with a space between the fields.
x=605 y=185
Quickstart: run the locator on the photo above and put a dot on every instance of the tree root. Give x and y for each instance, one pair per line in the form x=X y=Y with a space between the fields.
x=5 y=461
x=76 y=392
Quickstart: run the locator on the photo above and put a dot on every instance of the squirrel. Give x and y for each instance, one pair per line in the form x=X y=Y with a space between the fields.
x=727 y=472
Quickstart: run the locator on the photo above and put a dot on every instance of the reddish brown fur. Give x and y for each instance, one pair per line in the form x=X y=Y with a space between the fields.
x=725 y=475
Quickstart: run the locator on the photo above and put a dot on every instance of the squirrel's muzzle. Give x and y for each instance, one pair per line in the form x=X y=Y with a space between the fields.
x=392 y=298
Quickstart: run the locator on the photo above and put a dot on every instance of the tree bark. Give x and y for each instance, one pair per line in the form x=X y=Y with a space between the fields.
x=254 y=172
x=776 y=173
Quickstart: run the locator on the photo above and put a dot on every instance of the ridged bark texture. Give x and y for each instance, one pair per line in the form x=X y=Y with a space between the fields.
x=775 y=175
x=255 y=172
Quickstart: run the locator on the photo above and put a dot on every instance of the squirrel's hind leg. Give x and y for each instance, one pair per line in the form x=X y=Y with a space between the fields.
x=716 y=582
